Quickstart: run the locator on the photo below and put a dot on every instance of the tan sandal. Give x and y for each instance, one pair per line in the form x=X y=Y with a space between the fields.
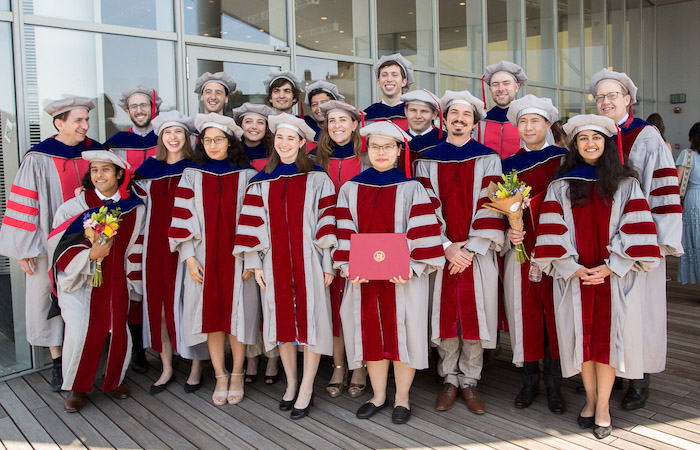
x=219 y=397
x=235 y=397
x=356 y=389
x=336 y=389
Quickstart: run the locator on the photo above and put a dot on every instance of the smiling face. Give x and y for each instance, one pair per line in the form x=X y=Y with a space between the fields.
x=532 y=129
x=173 y=139
x=139 y=110
x=315 y=103
x=287 y=144
x=420 y=117
x=503 y=88
x=105 y=177
x=590 y=145
x=340 y=127
x=615 y=108
x=254 y=127
x=73 y=130
x=383 y=152
x=390 y=80
x=214 y=97
x=282 y=97
x=218 y=151
x=460 y=120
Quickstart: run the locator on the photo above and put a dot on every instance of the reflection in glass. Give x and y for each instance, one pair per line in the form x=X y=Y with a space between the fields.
x=334 y=26
x=151 y=14
x=540 y=40
x=252 y=21
x=648 y=37
x=424 y=80
x=460 y=84
x=504 y=41
x=570 y=104
x=406 y=27
x=541 y=92
x=354 y=81
x=616 y=35
x=461 y=35
x=594 y=36
x=633 y=19
x=89 y=72
x=570 y=48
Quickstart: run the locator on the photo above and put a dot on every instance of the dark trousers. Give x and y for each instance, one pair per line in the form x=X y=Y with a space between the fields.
x=551 y=372
x=643 y=383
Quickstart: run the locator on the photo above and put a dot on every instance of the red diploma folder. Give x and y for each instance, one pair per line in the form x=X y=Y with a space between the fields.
x=379 y=256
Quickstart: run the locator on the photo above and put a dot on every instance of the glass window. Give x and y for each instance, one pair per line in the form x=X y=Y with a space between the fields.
x=648 y=37
x=406 y=27
x=541 y=92
x=151 y=14
x=594 y=37
x=634 y=40
x=616 y=35
x=424 y=80
x=353 y=80
x=461 y=36
x=570 y=70
x=539 y=22
x=252 y=21
x=132 y=61
x=453 y=83
x=570 y=104
x=4 y=5
x=334 y=26
x=504 y=22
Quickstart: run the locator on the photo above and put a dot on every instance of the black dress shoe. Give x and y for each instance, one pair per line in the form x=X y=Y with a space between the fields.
x=526 y=395
x=602 y=432
x=635 y=398
x=139 y=362
x=555 y=400
x=157 y=389
x=250 y=379
x=301 y=413
x=585 y=422
x=57 y=375
x=287 y=405
x=368 y=410
x=190 y=388
x=400 y=415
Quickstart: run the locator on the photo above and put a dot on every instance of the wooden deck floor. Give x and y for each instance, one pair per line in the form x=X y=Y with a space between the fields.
x=31 y=416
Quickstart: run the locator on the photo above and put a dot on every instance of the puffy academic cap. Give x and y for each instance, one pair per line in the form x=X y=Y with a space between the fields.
x=107 y=156
x=621 y=78
x=594 y=122
x=403 y=63
x=172 y=119
x=218 y=77
x=422 y=97
x=529 y=104
x=329 y=88
x=508 y=67
x=285 y=120
x=252 y=108
x=66 y=104
x=464 y=97
x=276 y=75
x=148 y=92
x=223 y=123
x=335 y=105
x=385 y=128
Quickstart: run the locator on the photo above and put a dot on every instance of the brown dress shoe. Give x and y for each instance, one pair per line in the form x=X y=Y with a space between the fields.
x=122 y=392
x=74 y=402
x=446 y=399
x=473 y=399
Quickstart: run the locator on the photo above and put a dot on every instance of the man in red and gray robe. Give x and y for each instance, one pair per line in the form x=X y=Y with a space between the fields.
x=394 y=77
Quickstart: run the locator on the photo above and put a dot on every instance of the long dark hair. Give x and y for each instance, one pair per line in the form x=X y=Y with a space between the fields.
x=303 y=162
x=162 y=152
x=656 y=120
x=609 y=168
x=326 y=145
x=86 y=181
x=694 y=137
x=236 y=155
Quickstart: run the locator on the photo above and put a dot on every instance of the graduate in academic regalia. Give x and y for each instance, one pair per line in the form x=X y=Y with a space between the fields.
x=219 y=298
x=283 y=90
x=529 y=305
x=422 y=108
x=213 y=90
x=156 y=182
x=646 y=152
x=394 y=77
x=257 y=138
x=597 y=239
x=49 y=175
x=318 y=93
x=340 y=153
x=504 y=79
x=457 y=173
x=286 y=234
x=386 y=322
x=96 y=314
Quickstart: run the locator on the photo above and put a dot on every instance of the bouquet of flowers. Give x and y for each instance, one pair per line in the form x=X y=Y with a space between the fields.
x=100 y=227
x=511 y=197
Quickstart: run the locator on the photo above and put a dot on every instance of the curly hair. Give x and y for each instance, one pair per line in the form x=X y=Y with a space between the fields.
x=236 y=156
x=86 y=181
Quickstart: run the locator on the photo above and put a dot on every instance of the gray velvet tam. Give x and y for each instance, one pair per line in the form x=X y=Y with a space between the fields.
x=106 y=156
x=251 y=108
x=335 y=105
x=422 y=97
x=224 y=123
x=529 y=104
x=276 y=75
x=610 y=75
x=403 y=63
x=508 y=67
x=594 y=122
x=295 y=123
x=385 y=129
x=465 y=97
x=172 y=119
x=66 y=104
x=148 y=92
x=219 y=77
x=329 y=88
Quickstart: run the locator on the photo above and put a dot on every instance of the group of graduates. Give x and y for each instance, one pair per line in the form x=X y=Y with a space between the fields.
x=240 y=228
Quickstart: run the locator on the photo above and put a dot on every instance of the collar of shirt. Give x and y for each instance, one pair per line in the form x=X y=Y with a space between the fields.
x=541 y=148
x=448 y=141
x=135 y=131
x=116 y=197
x=421 y=134
x=624 y=119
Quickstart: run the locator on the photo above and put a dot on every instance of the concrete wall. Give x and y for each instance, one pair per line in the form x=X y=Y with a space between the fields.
x=678 y=69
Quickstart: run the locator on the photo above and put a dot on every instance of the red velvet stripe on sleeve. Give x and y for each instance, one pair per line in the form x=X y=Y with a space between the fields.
x=665 y=172
x=639 y=228
x=325 y=202
x=549 y=251
x=139 y=240
x=250 y=221
x=253 y=200
x=178 y=233
x=666 y=190
x=489 y=223
x=247 y=241
x=557 y=229
x=183 y=192
x=181 y=213
x=341 y=256
x=488 y=179
x=423 y=231
x=636 y=205
x=21 y=224
x=551 y=207
x=422 y=209
x=643 y=251
x=325 y=231
x=24 y=209
x=668 y=209
x=424 y=253
x=66 y=257
x=342 y=214
x=24 y=192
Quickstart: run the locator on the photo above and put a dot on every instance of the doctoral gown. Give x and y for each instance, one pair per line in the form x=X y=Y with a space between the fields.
x=132 y=147
x=496 y=132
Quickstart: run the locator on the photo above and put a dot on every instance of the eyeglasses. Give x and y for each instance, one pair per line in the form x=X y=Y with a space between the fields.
x=217 y=140
x=384 y=148
x=610 y=96
x=135 y=106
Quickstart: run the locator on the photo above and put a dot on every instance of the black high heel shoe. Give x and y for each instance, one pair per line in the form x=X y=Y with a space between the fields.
x=286 y=405
x=585 y=422
x=602 y=432
x=301 y=413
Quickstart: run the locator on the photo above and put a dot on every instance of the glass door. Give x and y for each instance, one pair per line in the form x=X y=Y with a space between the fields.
x=248 y=70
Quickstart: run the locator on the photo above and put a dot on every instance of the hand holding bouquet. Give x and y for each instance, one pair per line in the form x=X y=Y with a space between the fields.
x=100 y=227
x=511 y=197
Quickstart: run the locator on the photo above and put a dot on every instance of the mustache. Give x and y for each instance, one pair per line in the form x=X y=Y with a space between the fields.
x=458 y=122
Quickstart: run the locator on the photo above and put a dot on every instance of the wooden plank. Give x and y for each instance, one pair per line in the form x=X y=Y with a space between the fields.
x=25 y=421
x=11 y=437
x=665 y=437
